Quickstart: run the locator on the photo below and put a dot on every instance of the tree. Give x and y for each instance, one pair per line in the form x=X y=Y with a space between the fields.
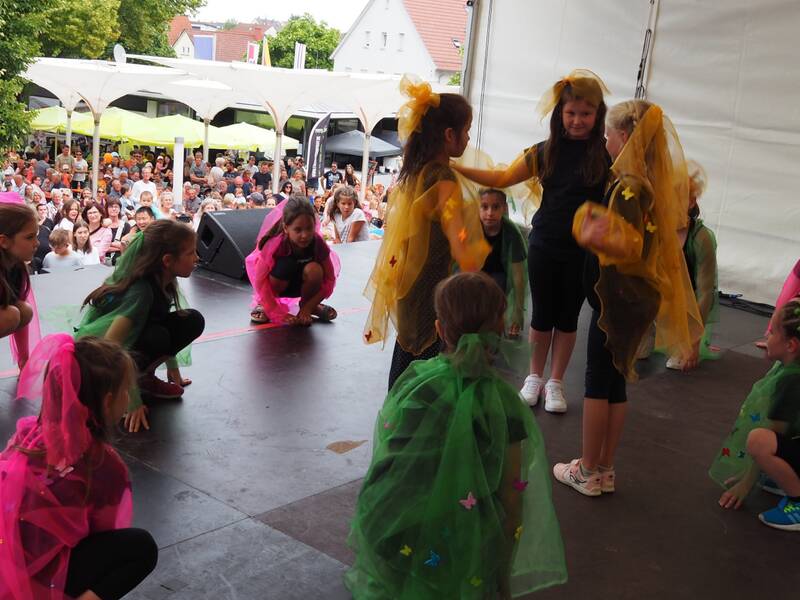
x=320 y=41
x=229 y=24
x=20 y=23
x=144 y=27
x=80 y=28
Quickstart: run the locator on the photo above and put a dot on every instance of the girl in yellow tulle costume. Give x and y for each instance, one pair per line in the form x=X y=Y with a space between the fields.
x=429 y=226
x=635 y=274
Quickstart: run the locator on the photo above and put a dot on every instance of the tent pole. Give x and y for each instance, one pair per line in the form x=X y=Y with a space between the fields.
x=177 y=175
x=69 y=128
x=206 y=123
x=364 y=166
x=276 y=157
x=95 y=152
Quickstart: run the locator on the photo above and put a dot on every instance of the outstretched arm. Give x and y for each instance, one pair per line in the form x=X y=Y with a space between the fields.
x=518 y=172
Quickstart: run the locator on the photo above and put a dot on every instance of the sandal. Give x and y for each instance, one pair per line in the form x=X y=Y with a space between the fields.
x=325 y=313
x=258 y=316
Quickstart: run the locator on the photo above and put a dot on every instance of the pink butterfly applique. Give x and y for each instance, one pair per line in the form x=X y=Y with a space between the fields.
x=520 y=485
x=468 y=502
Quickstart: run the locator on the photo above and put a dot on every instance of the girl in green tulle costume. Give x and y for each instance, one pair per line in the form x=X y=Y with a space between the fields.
x=141 y=308
x=766 y=435
x=457 y=500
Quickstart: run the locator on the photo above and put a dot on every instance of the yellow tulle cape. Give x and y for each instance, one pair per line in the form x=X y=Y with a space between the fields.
x=426 y=205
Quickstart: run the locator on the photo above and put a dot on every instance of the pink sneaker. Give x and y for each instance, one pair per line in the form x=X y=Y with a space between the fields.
x=150 y=385
x=570 y=474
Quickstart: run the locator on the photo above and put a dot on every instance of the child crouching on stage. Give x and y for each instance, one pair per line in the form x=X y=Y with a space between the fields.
x=65 y=492
x=292 y=265
x=507 y=263
x=766 y=435
x=456 y=502
x=140 y=308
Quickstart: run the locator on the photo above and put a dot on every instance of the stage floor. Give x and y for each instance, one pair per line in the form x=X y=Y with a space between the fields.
x=248 y=483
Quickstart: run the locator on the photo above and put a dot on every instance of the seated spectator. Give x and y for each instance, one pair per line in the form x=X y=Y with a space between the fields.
x=93 y=216
x=61 y=257
x=349 y=221
x=146 y=199
x=82 y=245
x=143 y=217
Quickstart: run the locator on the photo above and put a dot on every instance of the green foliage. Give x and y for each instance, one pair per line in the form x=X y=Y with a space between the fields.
x=320 y=41
x=144 y=26
x=20 y=24
x=82 y=28
x=455 y=79
x=229 y=24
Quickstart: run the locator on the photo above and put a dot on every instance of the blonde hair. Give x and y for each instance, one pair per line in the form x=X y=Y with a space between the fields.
x=697 y=178
x=626 y=115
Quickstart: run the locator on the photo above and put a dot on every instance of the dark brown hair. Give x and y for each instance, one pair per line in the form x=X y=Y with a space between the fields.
x=454 y=113
x=296 y=206
x=162 y=237
x=790 y=319
x=594 y=168
x=80 y=223
x=346 y=191
x=66 y=208
x=468 y=303
x=13 y=219
x=105 y=368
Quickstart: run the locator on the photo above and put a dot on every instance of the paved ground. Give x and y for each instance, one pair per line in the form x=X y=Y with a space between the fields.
x=246 y=501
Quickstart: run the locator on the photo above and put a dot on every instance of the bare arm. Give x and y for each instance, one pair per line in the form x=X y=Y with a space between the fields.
x=119 y=330
x=355 y=229
x=516 y=173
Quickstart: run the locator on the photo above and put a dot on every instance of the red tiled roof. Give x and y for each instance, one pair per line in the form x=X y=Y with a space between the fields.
x=438 y=23
x=176 y=27
x=232 y=45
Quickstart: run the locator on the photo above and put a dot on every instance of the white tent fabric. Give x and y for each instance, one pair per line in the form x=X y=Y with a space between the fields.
x=725 y=72
x=97 y=83
x=352 y=142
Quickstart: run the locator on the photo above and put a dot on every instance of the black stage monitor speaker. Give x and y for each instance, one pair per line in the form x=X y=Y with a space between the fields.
x=226 y=237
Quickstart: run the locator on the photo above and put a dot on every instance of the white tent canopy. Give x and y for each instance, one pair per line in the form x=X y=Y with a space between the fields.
x=97 y=83
x=725 y=72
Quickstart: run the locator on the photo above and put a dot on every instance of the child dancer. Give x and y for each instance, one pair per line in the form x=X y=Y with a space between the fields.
x=140 y=307
x=507 y=262
x=700 y=252
x=349 y=221
x=66 y=493
x=292 y=266
x=635 y=274
x=564 y=171
x=456 y=502
x=18 y=242
x=431 y=226
x=766 y=435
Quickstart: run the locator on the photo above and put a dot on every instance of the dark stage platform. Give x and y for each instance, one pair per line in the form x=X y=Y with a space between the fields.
x=248 y=483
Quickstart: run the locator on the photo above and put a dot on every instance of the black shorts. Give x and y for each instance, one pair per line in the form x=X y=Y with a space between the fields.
x=789 y=450
x=556 y=290
x=603 y=380
x=290 y=269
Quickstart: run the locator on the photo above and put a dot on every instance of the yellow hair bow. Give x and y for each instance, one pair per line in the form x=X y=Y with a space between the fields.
x=421 y=98
x=585 y=84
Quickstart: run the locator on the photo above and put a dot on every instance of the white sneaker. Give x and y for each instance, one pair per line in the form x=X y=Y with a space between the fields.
x=572 y=475
x=554 y=400
x=532 y=389
x=675 y=363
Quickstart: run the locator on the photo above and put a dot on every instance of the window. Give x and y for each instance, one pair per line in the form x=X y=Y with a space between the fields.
x=385 y=40
x=401 y=37
x=204 y=47
x=366 y=39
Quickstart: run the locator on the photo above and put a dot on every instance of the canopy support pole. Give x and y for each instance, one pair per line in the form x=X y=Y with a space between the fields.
x=276 y=158
x=177 y=176
x=95 y=152
x=206 y=123
x=364 y=167
x=69 y=128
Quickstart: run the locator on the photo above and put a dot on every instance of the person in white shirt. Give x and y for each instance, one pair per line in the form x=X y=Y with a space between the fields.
x=80 y=168
x=82 y=244
x=61 y=257
x=349 y=221
x=145 y=184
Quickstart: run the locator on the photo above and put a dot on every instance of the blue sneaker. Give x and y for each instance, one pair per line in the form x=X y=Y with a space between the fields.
x=768 y=485
x=785 y=516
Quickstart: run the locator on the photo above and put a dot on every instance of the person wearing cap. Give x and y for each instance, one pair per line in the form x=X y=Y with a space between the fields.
x=256 y=200
x=79 y=169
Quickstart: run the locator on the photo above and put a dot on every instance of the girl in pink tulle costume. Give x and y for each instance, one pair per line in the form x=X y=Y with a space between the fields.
x=65 y=492
x=18 y=242
x=790 y=289
x=292 y=270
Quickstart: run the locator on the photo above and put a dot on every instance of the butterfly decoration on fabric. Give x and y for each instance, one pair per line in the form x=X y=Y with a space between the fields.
x=519 y=485
x=386 y=425
x=726 y=452
x=518 y=533
x=434 y=560
x=755 y=417
x=741 y=454
x=406 y=550
x=476 y=581
x=651 y=228
x=468 y=502
x=627 y=193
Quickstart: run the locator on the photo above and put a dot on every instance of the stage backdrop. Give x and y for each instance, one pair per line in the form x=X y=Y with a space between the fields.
x=726 y=73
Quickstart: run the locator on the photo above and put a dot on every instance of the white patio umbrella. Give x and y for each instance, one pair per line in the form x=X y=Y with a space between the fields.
x=280 y=91
x=97 y=83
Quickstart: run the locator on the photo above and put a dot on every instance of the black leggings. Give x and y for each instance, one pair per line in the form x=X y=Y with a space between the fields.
x=167 y=337
x=111 y=563
x=556 y=291
x=402 y=359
